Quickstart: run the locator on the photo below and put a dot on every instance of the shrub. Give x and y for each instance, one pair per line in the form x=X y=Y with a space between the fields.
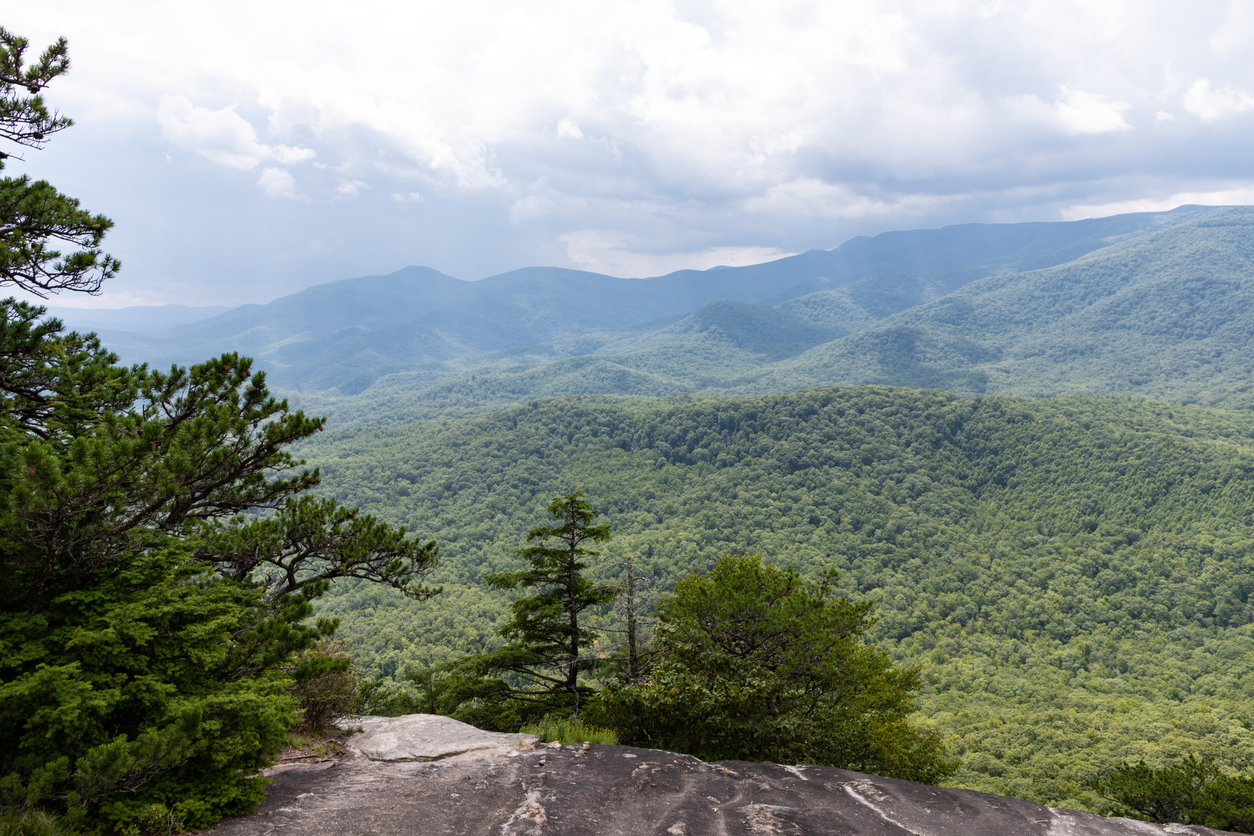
x=751 y=663
x=1194 y=792
x=326 y=686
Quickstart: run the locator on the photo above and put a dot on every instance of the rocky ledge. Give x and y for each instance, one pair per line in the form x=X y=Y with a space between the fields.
x=423 y=775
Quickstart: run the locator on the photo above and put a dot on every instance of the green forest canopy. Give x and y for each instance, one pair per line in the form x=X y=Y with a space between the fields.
x=1072 y=574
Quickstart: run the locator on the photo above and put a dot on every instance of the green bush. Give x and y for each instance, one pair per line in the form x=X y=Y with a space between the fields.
x=325 y=685
x=1193 y=792
x=154 y=694
x=751 y=663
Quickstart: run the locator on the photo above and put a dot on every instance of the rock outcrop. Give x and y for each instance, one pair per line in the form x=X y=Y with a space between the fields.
x=422 y=775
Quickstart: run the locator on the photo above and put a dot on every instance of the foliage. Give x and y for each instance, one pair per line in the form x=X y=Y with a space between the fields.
x=1196 y=791
x=144 y=639
x=30 y=823
x=569 y=730
x=547 y=622
x=310 y=542
x=538 y=669
x=151 y=609
x=156 y=689
x=99 y=460
x=1072 y=576
x=752 y=663
x=34 y=216
x=326 y=687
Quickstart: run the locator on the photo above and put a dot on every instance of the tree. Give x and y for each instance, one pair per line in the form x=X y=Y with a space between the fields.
x=159 y=566
x=752 y=663
x=634 y=599
x=1195 y=791
x=35 y=219
x=537 y=670
x=151 y=610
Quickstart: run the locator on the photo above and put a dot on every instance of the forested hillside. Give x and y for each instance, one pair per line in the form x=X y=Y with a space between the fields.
x=1169 y=315
x=1165 y=311
x=418 y=328
x=1073 y=575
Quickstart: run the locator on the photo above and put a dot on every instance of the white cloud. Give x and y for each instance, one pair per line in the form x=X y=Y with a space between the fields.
x=1238 y=195
x=780 y=125
x=349 y=188
x=277 y=182
x=1090 y=113
x=569 y=129
x=222 y=136
x=612 y=253
x=1212 y=105
x=808 y=197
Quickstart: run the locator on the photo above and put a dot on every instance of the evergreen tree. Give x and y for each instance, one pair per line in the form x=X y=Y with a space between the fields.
x=537 y=670
x=1193 y=792
x=546 y=624
x=35 y=219
x=158 y=565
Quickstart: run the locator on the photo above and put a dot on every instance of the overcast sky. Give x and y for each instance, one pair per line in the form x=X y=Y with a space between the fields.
x=249 y=149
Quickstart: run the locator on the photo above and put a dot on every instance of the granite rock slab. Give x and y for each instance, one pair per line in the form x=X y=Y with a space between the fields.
x=426 y=737
x=624 y=791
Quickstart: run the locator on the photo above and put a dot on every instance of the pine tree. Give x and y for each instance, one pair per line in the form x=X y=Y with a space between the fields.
x=37 y=221
x=546 y=624
x=537 y=670
x=158 y=564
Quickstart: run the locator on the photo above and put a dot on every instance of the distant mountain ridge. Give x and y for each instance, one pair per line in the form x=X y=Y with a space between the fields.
x=922 y=307
x=137 y=318
x=1169 y=314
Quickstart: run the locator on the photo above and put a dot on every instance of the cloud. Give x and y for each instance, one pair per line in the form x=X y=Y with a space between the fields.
x=569 y=128
x=613 y=253
x=543 y=201
x=1236 y=195
x=221 y=136
x=778 y=126
x=349 y=188
x=808 y=197
x=276 y=182
x=343 y=103
x=1090 y=113
x=1212 y=105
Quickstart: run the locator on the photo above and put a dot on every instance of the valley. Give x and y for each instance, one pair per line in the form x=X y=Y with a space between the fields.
x=1071 y=574
x=1045 y=492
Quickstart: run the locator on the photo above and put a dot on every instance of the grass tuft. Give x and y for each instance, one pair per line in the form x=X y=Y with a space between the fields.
x=570 y=730
x=31 y=823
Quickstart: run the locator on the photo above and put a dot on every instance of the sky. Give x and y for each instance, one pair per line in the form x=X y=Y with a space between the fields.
x=247 y=150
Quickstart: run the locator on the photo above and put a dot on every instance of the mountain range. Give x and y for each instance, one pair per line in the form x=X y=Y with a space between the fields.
x=1149 y=303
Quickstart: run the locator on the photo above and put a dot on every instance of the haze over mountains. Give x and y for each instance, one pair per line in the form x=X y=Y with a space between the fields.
x=1150 y=303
